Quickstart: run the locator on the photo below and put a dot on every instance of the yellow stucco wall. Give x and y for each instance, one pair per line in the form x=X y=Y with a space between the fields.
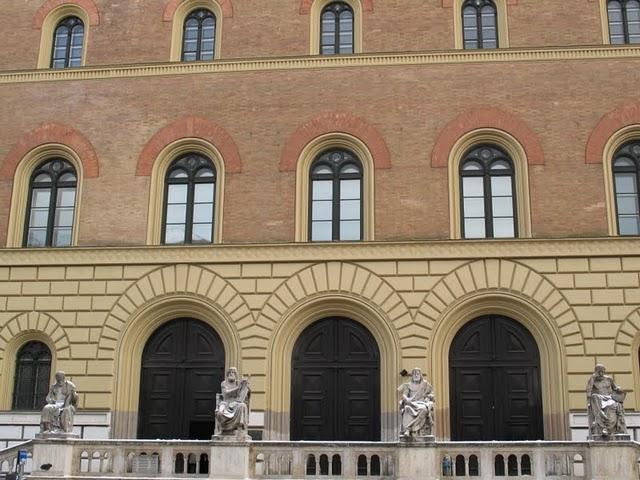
x=97 y=307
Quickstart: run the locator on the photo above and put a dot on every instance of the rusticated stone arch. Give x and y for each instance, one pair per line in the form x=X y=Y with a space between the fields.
x=47 y=7
x=610 y=123
x=23 y=328
x=627 y=333
x=337 y=289
x=170 y=292
x=335 y=122
x=508 y=288
x=486 y=118
x=190 y=127
x=54 y=134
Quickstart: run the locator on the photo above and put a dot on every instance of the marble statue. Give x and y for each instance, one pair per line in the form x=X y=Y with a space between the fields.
x=232 y=407
x=416 y=408
x=57 y=414
x=604 y=405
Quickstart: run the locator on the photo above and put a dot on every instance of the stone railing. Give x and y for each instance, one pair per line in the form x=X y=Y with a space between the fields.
x=138 y=459
x=9 y=458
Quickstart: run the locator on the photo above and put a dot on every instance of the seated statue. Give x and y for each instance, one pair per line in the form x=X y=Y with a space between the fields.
x=57 y=414
x=416 y=407
x=604 y=405
x=232 y=406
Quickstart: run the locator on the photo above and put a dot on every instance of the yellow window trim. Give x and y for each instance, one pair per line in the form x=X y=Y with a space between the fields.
x=181 y=13
x=308 y=155
x=315 y=13
x=503 y=27
x=622 y=136
x=20 y=191
x=48 y=27
x=512 y=147
x=158 y=174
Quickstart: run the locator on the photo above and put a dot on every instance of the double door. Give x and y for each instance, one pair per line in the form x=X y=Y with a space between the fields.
x=182 y=369
x=495 y=382
x=336 y=383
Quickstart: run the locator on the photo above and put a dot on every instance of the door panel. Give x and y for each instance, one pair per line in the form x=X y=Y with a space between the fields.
x=335 y=392
x=495 y=382
x=182 y=368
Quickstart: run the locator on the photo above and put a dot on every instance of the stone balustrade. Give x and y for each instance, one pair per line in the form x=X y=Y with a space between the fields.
x=141 y=459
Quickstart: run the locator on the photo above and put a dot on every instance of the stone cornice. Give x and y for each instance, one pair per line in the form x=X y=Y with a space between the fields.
x=313 y=62
x=307 y=252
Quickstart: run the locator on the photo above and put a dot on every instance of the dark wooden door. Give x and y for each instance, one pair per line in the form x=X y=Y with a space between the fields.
x=495 y=382
x=182 y=368
x=335 y=392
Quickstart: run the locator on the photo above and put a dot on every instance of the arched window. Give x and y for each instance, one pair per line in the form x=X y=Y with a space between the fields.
x=189 y=200
x=479 y=24
x=68 y=41
x=624 y=21
x=487 y=186
x=626 y=163
x=51 y=205
x=335 y=197
x=33 y=369
x=336 y=29
x=198 y=38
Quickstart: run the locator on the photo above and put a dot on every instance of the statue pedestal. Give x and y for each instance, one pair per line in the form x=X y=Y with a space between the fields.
x=52 y=456
x=238 y=437
x=230 y=459
x=618 y=437
x=56 y=435
x=418 y=440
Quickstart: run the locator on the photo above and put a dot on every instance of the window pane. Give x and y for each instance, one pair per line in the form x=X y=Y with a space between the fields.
x=204 y=173
x=472 y=187
x=629 y=225
x=503 y=228
x=321 y=210
x=474 y=228
x=624 y=162
x=502 y=207
x=626 y=183
x=201 y=233
x=474 y=207
x=323 y=170
x=627 y=204
x=472 y=167
x=633 y=21
x=176 y=213
x=322 y=190
x=350 y=210
x=64 y=217
x=489 y=33
x=177 y=194
x=501 y=186
x=42 y=178
x=66 y=197
x=321 y=231
x=39 y=217
x=174 y=234
x=40 y=197
x=67 y=177
x=616 y=28
x=328 y=35
x=350 y=230
x=203 y=213
x=203 y=193
x=350 y=189
x=37 y=237
x=61 y=237
x=350 y=169
x=178 y=173
x=470 y=28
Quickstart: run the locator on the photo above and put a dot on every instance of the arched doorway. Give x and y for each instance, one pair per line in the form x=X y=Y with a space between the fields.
x=182 y=368
x=495 y=385
x=335 y=392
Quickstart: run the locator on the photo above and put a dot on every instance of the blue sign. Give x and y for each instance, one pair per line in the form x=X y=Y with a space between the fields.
x=22 y=456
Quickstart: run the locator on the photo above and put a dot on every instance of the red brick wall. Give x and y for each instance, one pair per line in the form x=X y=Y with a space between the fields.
x=136 y=31
x=560 y=102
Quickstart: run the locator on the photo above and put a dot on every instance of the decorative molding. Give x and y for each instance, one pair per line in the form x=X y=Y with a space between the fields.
x=305 y=6
x=301 y=252
x=610 y=123
x=47 y=7
x=226 y=7
x=335 y=122
x=190 y=127
x=52 y=133
x=486 y=118
x=327 y=61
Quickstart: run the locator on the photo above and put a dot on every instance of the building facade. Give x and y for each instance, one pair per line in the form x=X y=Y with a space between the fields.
x=325 y=195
